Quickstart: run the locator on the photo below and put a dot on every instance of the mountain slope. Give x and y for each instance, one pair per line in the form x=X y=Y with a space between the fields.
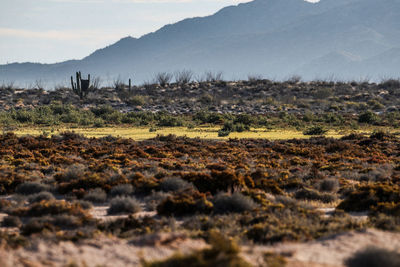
x=276 y=38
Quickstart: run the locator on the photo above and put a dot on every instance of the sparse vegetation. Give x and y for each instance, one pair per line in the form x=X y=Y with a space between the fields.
x=30 y=188
x=163 y=78
x=223 y=252
x=65 y=186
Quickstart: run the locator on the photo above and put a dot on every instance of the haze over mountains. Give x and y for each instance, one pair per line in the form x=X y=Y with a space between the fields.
x=342 y=39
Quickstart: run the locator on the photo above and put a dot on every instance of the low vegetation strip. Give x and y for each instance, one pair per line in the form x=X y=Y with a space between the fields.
x=143 y=133
x=253 y=190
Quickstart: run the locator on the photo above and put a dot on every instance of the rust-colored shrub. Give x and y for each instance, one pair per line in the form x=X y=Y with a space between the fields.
x=185 y=203
x=49 y=207
x=369 y=197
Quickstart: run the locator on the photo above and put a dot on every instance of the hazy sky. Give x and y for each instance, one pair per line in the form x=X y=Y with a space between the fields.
x=49 y=31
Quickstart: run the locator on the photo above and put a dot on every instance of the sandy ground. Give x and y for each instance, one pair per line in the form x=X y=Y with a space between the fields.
x=100 y=212
x=328 y=252
x=113 y=252
x=104 y=251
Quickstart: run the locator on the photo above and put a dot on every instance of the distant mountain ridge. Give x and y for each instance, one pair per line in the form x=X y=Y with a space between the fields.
x=347 y=39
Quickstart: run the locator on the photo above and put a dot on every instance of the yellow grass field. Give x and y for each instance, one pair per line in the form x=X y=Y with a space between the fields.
x=142 y=133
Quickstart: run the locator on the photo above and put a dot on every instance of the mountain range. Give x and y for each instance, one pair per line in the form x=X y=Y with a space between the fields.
x=344 y=39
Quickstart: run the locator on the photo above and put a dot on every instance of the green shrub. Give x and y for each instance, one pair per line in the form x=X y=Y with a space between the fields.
x=368 y=117
x=24 y=116
x=245 y=119
x=137 y=100
x=208 y=117
x=103 y=110
x=315 y=130
x=223 y=133
x=166 y=120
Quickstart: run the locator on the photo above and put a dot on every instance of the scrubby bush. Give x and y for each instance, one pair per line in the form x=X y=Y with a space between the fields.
x=323 y=93
x=137 y=100
x=311 y=194
x=121 y=205
x=96 y=195
x=153 y=200
x=216 y=181
x=236 y=202
x=241 y=124
x=48 y=207
x=183 y=77
x=121 y=190
x=40 y=196
x=210 y=76
x=72 y=172
x=163 y=78
x=166 y=120
x=328 y=185
x=29 y=188
x=368 y=197
x=11 y=221
x=36 y=225
x=224 y=252
x=65 y=221
x=315 y=130
x=386 y=222
x=274 y=260
x=174 y=184
x=381 y=135
x=367 y=117
x=374 y=257
x=185 y=203
x=223 y=133
x=5 y=204
x=86 y=205
x=375 y=104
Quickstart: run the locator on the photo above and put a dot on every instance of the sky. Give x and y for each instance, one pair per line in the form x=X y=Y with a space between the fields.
x=49 y=31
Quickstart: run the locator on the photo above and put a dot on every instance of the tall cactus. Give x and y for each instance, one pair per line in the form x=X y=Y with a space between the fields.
x=81 y=87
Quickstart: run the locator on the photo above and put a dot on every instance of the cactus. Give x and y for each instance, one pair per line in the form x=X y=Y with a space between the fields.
x=81 y=87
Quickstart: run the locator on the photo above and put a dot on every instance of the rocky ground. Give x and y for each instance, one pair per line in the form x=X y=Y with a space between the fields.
x=254 y=97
